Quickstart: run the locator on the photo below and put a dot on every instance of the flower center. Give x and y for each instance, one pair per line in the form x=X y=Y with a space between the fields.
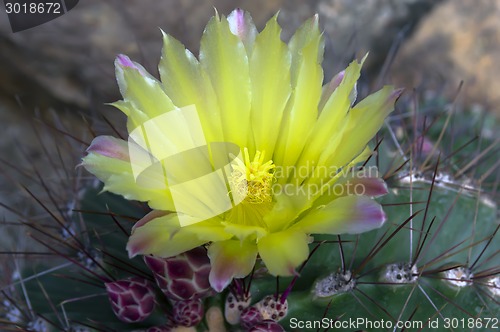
x=252 y=179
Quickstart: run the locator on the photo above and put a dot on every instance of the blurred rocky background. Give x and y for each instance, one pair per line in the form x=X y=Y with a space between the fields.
x=459 y=40
x=68 y=61
x=65 y=67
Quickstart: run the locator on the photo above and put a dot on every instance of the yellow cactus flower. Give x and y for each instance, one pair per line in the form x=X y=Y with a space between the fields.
x=242 y=149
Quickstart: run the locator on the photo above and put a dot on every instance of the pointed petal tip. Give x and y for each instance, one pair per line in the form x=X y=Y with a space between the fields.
x=124 y=61
x=345 y=215
x=216 y=14
x=242 y=26
x=239 y=13
x=339 y=77
x=371 y=186
x=148 y=217
x=374 y=215
x=110 y=147
x=384 y=190
x=137 y=245
x=236 y=21
x=314 y=21
x=336 y=80
x=369 y=215
x=218 y=284
x=397 y=93
x=364 y=58
x=131 y=250
x=165 y=36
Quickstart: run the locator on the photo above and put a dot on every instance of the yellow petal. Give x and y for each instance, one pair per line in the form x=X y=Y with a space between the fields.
x=108 y=159
x=201 y=197
x=230 y=259
x=163 y=236
x=282 y=212
x=325 y=183
x=241 y=25
x=135 y=117
x=223 y=57
x=365 y=182
x=290 y=201
x=364 y=120
x=187 y=84
x=307 y=33
x=270 y=75
x=306 y=47
x=284 y=251
x=329 y=88
x=141 y=89
x=297 y=199
x=245 y=232
x=327 y=132
x=350 y=214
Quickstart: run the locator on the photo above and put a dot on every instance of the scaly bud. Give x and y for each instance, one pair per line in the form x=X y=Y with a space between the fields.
x=188 y=313
x=132 y=299
x=183 y=277
x=250 y=317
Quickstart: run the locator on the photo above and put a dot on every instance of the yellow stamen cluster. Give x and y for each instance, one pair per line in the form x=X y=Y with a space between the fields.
x=252 y=179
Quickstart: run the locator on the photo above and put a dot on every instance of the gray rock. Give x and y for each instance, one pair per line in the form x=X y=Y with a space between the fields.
x=358 y=27
x=460 y=40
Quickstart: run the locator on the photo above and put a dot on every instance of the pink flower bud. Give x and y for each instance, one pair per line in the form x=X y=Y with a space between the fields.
x=183 y=277
x=188 y=313
x=250 y=317
x=132 y=299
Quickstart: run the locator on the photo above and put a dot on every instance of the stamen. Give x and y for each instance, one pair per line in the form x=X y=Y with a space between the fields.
x=253 y=179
